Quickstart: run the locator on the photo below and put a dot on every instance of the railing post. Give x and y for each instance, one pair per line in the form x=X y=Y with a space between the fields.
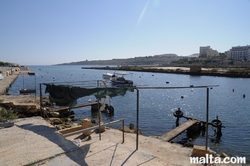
x=207 y=108
x=137 y=120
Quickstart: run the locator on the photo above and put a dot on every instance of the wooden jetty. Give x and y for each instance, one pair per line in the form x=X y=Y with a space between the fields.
x=178 y=130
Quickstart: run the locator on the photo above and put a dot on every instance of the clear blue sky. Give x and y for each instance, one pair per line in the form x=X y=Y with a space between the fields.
x=44 y=32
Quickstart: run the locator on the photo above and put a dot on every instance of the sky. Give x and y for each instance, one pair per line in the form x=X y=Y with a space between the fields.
x=47 y=32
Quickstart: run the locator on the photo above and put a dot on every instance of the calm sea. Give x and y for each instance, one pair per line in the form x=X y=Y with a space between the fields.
x=157 y=106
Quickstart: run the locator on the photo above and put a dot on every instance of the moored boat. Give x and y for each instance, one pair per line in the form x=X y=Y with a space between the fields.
x=107 y=75
x=117 y=80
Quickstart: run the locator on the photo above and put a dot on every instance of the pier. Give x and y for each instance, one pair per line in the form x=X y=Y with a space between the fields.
x=10 y=75
x=178 y=130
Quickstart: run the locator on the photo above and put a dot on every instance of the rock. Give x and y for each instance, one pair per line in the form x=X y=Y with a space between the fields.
x=86 y=123
x=102 y=128
x=56 y=120
x=199 y=151
x=58 y=127
x=126 y=129
x=32 y=109
x=131 y=126
x=223 y=155
x=54 y=114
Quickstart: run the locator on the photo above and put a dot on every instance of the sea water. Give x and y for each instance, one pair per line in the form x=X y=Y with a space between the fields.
x=156 y=106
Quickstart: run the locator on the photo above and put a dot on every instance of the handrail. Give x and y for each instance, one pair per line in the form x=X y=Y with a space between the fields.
x=96 y=127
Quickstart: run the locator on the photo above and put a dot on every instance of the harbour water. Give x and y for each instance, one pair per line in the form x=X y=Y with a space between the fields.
x=157 y=106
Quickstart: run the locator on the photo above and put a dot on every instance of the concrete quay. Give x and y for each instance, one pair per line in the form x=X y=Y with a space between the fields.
x=10 y=75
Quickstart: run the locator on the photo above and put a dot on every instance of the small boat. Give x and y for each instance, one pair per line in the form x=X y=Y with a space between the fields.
x=21 y=91
x=117 y=80
x=107 y=75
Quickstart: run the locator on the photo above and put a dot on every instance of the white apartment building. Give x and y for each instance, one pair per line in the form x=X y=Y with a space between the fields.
x=208 y=51
x=239 y=53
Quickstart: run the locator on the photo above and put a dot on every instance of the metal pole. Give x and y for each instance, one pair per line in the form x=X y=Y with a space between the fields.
x=35 y=86
x=91 y=128
x=41 y=102
x=207 y=118
x=122 y=130
x=137 y=120
x=99 y=119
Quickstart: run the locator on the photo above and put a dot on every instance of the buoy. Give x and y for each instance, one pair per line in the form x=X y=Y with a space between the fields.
x=167 y=82
x=244 y=95
x=233 y=90
x=182 y=96
x=216 y=123
x=178 y=113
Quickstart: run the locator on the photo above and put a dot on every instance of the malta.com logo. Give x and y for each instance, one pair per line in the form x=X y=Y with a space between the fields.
x=210 y=159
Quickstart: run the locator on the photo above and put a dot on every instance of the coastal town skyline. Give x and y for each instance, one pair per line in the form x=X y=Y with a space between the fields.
x=53 y=32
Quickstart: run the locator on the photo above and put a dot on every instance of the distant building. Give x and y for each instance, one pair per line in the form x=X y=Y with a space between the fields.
x=239 y=53
x=207 y=51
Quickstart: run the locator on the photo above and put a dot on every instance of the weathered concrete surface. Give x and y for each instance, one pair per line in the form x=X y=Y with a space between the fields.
x=32 y=141
x=10 y=75
x=6 y=83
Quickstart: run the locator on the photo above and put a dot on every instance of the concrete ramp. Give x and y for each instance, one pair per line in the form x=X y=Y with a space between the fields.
x=178 y=130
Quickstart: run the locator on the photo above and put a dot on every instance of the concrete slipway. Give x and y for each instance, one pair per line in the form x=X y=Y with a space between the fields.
x=32 y=141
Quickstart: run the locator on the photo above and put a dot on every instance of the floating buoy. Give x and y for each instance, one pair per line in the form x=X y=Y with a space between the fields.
x=216 y=123
x=182 y=96
x=167 y=82
x=244 y=95
x=233 y=90
x=178 y=113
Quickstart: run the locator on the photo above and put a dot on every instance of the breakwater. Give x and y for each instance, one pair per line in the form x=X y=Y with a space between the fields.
x=181 y=70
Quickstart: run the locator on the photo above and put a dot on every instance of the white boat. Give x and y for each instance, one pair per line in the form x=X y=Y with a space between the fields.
x=119 y=80
x=107 y=75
